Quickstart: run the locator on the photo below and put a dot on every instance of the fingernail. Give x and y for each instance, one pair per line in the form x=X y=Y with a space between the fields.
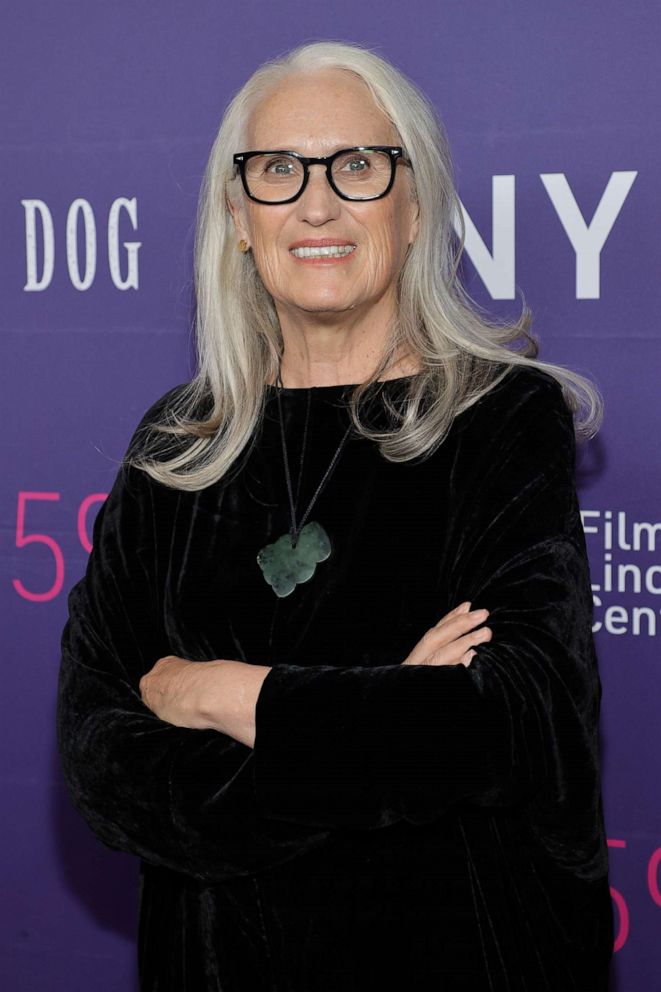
x=465 y=607
x=471 y=655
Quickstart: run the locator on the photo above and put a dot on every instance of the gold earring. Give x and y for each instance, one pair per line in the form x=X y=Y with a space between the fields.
x=243 y=246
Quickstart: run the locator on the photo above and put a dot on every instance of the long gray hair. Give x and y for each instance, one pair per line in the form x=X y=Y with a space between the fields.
x=462 y=354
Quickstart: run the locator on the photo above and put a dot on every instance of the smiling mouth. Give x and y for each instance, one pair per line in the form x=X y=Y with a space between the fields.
x=324 y=251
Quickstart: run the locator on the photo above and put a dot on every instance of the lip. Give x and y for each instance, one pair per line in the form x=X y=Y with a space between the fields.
x=322 y=243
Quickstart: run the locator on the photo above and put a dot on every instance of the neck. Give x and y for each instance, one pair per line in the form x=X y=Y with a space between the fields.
x=325 y=348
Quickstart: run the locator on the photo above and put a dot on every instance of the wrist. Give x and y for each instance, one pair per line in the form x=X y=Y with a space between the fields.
x=213 y=695
x=228 y=697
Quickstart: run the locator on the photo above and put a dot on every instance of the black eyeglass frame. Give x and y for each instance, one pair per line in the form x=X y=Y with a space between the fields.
x=395 y=152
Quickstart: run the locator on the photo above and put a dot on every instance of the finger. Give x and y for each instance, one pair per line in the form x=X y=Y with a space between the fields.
x=447 y=637
x=453 y=626
x=448 y=664
x=467 y=658
x=460 y=610
x=455 y=651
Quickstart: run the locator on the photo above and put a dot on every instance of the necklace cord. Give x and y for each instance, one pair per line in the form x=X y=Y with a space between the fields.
x=303 y=449
x=295 y=530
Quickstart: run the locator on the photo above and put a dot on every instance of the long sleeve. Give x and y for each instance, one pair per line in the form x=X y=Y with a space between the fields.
x=365 y=747
x=176 y=797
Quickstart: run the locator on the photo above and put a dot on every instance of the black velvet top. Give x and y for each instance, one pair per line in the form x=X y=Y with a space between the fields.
x=405 y=827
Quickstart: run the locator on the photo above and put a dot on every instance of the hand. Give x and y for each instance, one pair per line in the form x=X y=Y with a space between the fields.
x=450 y=641
x=205 y=695
x=175 y=690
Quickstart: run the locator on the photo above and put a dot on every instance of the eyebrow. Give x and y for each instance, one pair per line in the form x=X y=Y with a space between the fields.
x=284 y=146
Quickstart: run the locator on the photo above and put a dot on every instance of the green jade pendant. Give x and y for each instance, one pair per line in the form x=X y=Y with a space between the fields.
x=285 y=566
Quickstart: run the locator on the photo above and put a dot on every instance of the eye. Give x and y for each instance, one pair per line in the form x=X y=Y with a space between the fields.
x=281 y=166
x=355 y=163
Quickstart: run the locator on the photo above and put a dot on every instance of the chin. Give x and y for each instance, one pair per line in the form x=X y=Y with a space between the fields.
x=326 y=306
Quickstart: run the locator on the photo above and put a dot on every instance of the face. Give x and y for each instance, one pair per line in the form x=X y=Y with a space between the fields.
x=317 y=114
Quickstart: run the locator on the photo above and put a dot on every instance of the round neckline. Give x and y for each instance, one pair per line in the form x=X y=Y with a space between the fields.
x=334 y=387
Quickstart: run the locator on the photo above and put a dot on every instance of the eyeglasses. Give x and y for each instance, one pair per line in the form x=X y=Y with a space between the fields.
x=360 y=173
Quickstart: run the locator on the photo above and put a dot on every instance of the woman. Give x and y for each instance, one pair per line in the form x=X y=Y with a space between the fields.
x=273 y=689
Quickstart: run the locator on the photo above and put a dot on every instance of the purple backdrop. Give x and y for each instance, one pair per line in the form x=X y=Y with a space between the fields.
x=108 y=116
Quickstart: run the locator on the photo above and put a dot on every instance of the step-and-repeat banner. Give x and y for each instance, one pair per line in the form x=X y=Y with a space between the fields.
x=107 y=118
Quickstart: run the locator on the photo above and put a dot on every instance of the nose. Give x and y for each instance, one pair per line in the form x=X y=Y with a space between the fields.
x=318 y=203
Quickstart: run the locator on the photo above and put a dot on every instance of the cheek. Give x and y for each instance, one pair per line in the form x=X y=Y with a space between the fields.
x=270 y=271
x=387 y=246
x=266 y=256
x=263 y=225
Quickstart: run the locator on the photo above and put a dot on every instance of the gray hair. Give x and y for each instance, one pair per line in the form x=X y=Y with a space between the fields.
x=462 y=353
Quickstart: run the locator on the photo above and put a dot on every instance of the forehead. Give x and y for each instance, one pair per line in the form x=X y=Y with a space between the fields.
x=318 y=112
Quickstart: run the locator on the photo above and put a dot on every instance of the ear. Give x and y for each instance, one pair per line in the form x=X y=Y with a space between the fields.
x=237 y=210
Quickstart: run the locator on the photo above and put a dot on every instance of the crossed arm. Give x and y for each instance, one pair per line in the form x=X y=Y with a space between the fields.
x=222 y=695
x=286 y=753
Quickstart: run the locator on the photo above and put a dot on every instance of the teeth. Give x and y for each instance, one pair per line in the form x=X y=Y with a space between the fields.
x=320 y=252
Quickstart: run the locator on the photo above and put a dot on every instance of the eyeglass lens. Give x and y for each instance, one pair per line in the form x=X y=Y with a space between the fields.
x=356 y=174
